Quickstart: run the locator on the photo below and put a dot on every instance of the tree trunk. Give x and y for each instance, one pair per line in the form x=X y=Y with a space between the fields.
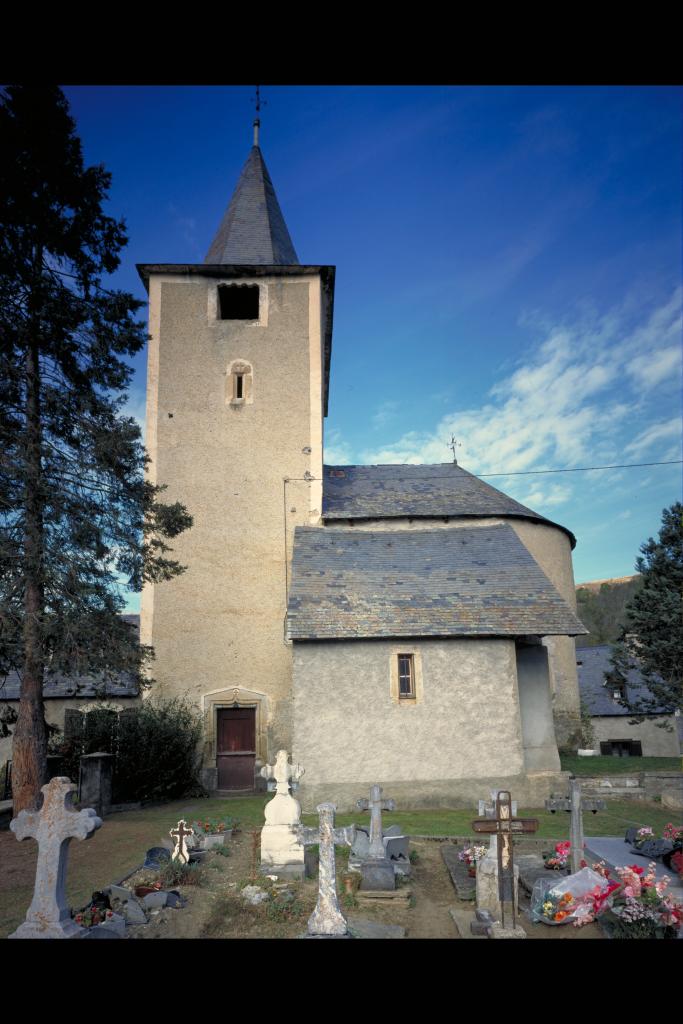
x=29 y=753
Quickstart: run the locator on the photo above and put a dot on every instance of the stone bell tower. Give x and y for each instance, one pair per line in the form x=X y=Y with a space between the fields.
x=237 y=385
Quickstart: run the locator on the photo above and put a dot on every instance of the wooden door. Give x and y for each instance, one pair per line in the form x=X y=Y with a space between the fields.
x=236 y=748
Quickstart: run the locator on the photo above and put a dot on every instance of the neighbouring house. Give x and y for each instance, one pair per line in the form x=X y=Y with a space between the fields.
x=613 y=732
x=62 y=693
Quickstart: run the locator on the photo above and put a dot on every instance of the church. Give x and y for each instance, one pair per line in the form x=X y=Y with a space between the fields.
x=404 y=625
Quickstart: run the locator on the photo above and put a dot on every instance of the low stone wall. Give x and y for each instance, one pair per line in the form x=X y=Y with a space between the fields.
x=649 y=785
x=527 y=790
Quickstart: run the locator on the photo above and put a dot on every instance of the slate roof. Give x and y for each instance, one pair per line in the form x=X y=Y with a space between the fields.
x=77 y=686
x=466 y=581
x=592 y=663
x=253 y=229
x=385 y=492
x=72 y=686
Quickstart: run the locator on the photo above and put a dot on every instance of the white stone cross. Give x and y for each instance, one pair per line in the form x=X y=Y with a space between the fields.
x=282 y=772
x=53 y=826
x=327 y=918
x=376 y=805
x=180 y=833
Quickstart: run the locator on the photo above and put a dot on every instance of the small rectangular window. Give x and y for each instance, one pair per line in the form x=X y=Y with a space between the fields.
x=406 y=677
x=239 y=385
x=238 y=302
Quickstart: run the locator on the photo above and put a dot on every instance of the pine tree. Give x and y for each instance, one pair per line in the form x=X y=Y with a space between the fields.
x=652 y=638
x=78 y=521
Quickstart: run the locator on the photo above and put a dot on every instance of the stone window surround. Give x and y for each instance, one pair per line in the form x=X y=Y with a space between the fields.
x=212 y=293
x=406 y=702
x=235 y=697
x=244 y=369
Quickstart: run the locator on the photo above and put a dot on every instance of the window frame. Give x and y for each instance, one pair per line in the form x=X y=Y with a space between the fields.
x=414 y=653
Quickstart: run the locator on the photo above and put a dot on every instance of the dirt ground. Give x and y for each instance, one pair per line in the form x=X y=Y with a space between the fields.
x=217 y=911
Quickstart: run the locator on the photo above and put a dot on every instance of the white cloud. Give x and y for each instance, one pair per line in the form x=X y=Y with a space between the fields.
x=653 y=368
x=567 y=405
x=336 y=451
x=655 y=433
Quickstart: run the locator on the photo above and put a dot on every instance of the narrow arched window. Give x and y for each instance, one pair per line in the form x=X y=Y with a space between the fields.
x=239 y=383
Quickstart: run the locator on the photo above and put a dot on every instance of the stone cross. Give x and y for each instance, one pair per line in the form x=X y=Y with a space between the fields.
x=376 y=805
x=505 y=825
x=53 y=826
x=327 y=918
x=281 y=852
x=576 y=805
x=180 y=833
x=282 y=772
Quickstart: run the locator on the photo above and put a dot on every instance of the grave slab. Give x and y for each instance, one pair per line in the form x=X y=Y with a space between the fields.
x=617 y=854
x=463 y=921
x=465 y=886
x=361 y=928
x=531 y=868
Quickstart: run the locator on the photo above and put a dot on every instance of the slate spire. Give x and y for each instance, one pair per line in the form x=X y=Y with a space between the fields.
x=253 y=229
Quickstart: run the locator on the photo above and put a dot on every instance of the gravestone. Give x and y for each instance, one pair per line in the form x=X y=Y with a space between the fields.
x=95 y=783
x=501 y=903
x=575 y=804
x=180 y=834
x=327 y=919
x=281 y=851
x=377 y=871
x=53 y=826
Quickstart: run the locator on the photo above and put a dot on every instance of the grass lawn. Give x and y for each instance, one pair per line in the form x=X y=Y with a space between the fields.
x=119 y=846
x=618 y=765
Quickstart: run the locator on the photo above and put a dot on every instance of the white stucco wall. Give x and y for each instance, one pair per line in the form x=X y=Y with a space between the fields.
x=461 y=738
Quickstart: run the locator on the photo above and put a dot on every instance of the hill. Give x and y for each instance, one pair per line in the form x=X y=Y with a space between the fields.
x=601 y=607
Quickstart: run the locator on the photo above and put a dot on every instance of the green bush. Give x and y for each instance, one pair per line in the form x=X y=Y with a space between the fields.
x=155 y=747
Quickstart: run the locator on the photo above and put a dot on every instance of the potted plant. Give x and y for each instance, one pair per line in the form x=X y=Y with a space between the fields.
x=213 y=832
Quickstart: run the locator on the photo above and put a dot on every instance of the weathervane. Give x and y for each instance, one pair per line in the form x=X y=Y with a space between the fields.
x=454 y=444
x=257 y=119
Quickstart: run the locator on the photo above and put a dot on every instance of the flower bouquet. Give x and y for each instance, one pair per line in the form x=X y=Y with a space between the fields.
x=471 y=855
x=559 y=903
x=635 y=907
x=557 y=860
x=643 y=835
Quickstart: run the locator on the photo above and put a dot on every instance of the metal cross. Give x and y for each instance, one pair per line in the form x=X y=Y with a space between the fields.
x=504 y=826
x=180 y=833
x=327 y=918
x=575 y=804
x=53 y=826
x=454 y=444
x=376 y=805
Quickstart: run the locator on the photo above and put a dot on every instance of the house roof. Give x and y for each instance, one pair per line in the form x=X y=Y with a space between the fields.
x=73 y=686
x=253 y=229
x=592 y=663
x=78 y=686
x=384 y=492
x=478 y=581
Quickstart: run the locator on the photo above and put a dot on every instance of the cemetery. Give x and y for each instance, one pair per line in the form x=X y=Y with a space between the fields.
x=256 y=867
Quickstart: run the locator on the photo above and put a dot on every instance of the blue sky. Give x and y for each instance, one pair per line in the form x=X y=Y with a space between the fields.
x=508 y=270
